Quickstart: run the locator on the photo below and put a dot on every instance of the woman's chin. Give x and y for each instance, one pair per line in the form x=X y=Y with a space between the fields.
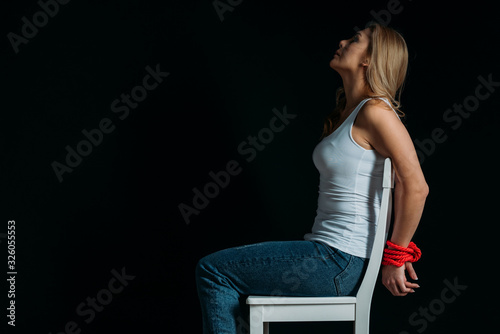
x=333 y=64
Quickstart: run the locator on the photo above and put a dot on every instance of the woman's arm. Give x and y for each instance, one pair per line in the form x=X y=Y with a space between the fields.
x=409 y=200
x=382 y=129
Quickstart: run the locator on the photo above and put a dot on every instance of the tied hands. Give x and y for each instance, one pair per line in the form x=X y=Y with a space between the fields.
x=394 y=279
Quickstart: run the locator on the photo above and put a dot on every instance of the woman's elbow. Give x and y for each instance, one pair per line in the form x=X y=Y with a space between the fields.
x=420 y=188
x=424 y=190
x=415 y=186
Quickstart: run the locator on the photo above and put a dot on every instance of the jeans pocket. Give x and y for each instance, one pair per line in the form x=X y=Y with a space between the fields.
x=348 y=281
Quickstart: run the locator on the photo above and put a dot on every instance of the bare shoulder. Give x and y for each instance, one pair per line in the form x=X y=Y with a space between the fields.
x=379 y=125
x=376 y=112
x=377 y=103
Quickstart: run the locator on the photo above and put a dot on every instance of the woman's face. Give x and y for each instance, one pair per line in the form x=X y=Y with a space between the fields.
x=352 y=53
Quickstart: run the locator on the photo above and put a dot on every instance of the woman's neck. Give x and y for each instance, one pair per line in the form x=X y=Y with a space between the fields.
x=355 y=90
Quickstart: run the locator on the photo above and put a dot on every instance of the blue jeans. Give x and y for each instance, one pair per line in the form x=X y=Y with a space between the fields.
x=276 y=268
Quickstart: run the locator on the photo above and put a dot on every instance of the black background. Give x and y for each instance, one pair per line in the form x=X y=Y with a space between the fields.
x=119 y=207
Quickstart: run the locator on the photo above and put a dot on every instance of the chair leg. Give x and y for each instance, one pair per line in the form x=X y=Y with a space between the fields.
x=361 y=327
x=362 y=322
x=257 y=325
x=257 y=328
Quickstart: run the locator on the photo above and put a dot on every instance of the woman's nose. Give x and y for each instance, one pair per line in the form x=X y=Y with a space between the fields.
x=342 y=43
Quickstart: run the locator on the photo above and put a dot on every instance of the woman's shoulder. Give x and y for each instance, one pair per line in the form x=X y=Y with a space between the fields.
x=376 y=110
x=378 y=102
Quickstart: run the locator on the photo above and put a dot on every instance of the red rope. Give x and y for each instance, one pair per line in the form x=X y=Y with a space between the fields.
x=400 y=255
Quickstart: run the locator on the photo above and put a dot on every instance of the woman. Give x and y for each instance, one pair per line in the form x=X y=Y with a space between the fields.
x=363 y=130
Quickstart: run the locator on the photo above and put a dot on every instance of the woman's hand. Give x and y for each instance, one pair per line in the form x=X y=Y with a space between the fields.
x=394 y=279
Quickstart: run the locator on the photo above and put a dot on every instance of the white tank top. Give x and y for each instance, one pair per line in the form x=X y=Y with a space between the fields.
x=350 y=190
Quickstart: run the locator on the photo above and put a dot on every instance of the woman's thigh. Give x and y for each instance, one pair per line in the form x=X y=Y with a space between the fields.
x=284 y=268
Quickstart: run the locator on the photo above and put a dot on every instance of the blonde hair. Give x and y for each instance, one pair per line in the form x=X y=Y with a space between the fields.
x=385 y=74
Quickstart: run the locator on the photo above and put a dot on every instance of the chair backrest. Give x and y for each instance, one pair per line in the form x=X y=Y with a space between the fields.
x=365 y=291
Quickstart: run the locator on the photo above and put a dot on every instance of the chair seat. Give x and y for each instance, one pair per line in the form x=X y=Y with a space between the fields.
x=267 y=300
x=290 y=309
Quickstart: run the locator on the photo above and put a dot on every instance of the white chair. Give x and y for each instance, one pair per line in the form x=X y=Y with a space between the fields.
x=266 y=309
